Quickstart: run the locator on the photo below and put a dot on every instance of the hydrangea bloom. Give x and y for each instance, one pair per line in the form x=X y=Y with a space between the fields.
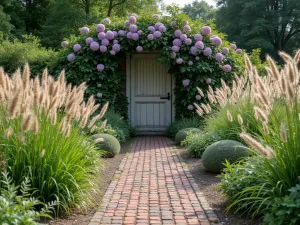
x=217 y=41
x=198 y=37
x=177 y=42
x=186 y=82
x=126 y=24
x=140 y=32
x=155 y=16
x=103 y=48
x=99 y=95
x=121 y=32
x=239 y=51
x=89 y=40
x=106 y=20
x=199 y=44
x=233 y=46
x=71 y=57
x=190 y=63
x=150 y=37
x=183 y=37
x=227 y=68
x=112 y=52
x=162 y=28
x=185 y=23
x=133 y=28
x=173 y=23
x=225 y=51
x=173 y=55
x=100 y=67
x=194 y=50
x=208 y=80
x=105 y=42
x=116 y=47
x=207 y=51
x=129 y=35
x=219 y=57
x=100 y=28
x=198 y=97
x=187 y=28
x=132 y=19
x=197 y=58
x=115 y=41
x=115 y=34
x=139 y=48
x=95 y=46
x=157 y=25
x=76 y=47
x=101 y=35
x=157 y=34
x=178 y=33
x=206 y=30
x=188 y=41
x=84 y=30
x=64 y=44
x=135 y=36
x=190 y=107
x=110 y=35
x=134 y=14
x=151 y=28
x=175 y=48
x=179 y=61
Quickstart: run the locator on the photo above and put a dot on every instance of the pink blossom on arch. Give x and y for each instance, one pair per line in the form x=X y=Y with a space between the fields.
x=76 y=47
x=207 y=51
x=133 y=28
x=64 y=44
x=129 y=35
x=135 y=36
x=71 y=57
x=101 y=35
x=225 y=51
x=227 y=68
x=84 y=30
x=162 y=28
x=183 y=37
x=151 y=28
x=206 y=30
x=190 y=107
x=107 y=20
x=178 y=33
x=103 y=48
x=198 y=97
x=157 y=34
x=233 y=46
x=179 y=61
x=188 y=41
x=186 y=82
x=116 y=47
x=219 y=57
x=112 y=52
x=175 y=48
x=187 y=28
x=239 y=51
x=177 y=42
x=110 y=35
x=95 y=46
x=199 y=45
x=139 y=48
x=100 y=67
x=100 y=28
x=89 y=40
x=105 y=42
x=198 y=37
x=132 y=19
x=150 y=37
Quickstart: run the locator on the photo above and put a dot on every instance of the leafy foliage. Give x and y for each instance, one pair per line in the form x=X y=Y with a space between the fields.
x=182 y=134
x=199 y=10
x=178 y=125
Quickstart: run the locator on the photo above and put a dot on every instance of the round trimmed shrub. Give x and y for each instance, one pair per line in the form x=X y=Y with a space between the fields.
x=182 y=134
x=215 y=155
x=110 y=144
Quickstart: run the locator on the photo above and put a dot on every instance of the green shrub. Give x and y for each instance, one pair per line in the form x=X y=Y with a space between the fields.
x=19 y=209
x=180 y=124
x=215 y=155
x=182 y=134
x=196 y=143
x=116 y=132
x=109 y=144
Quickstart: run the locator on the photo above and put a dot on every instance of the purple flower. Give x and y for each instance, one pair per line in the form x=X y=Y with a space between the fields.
x=150 y=37
x=208 y=80
x=151 y=28
x=175 y=48
x=190 y=107
x=173 y=55
x=103 y=48
x=110 y=35
x=115 y=41
x=217 y=41
x=173 y=23
x=126 y=24
x=139 y=48
x=188 y=41
x=185 y=23
x=227 y=68
x=76 y=47
x=186 y=82
x=179 y=61
x=106 y=20
x=225 y=51
x=233 y=46
x=115 y=34
x=197 y=58
x=155 y=16
x=140 y=32
x=157 y=34
x=112 y=52
x=116 y=47
x=162 y=28
x=194 y=50
x=132 y=19
x=199 y=44
x=134 y=14
x=198 y=37
x=64 y=44
x=190 y=63
x=100 y=28
x=99 y=95
x=135 y=36
x=121 y=32
x=219 y=57
x=95 y=46
x=187 y=28
x=198 y=97
x=89 y=40
x=178 y=33
x=157 y=25
x=101 y=35
x=71 y=57
x=177 y=42
x=183 y=37
x=100 y=67
x=105 y=42
x=207 y=51
x=129 y=35
x=239 y=51
x=84 y=30
x=206 y=30
x=133 y=28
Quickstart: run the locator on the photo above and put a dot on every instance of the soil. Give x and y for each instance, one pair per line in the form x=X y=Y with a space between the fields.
x=110 y=165
x=207 y=182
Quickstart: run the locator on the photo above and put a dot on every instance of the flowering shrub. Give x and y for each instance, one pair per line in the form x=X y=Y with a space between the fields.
x=192 y=51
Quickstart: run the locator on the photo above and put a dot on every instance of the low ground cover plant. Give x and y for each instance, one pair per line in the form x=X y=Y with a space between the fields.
x=180 y=124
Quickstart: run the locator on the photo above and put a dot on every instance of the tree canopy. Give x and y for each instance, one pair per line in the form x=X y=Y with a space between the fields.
x=199 y=9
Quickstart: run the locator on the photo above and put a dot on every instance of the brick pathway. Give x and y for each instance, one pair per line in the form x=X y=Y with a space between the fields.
x=152 y=186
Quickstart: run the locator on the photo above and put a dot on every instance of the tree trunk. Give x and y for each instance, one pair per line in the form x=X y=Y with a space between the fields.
x=87 y=7
x=110 y=6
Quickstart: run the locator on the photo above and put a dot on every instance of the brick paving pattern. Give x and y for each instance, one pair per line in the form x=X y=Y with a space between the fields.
x=152 y=186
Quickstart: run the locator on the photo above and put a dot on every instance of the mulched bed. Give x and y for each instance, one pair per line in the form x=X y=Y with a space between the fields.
x=110 y=165
x=207 y=182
